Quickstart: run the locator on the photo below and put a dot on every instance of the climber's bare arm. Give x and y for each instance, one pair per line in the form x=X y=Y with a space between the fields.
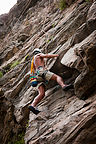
x=49 y=55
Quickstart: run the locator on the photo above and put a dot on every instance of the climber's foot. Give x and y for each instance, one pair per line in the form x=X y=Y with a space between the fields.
x=67 y=87
x=35 y=111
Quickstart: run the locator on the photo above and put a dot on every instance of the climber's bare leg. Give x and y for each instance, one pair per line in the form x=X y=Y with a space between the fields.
x=58 y=79
x=61 y=82
x=40 y=96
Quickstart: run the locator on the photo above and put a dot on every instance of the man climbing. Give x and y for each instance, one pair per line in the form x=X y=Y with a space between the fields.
x=43 y=76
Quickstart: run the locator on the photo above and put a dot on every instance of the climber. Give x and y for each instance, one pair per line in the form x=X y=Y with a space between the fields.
x=43 y=77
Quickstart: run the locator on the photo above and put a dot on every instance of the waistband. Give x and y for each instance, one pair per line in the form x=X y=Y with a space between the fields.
x=39 y=67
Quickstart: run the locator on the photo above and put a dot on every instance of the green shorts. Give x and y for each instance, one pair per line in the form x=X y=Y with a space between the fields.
x=47 y=76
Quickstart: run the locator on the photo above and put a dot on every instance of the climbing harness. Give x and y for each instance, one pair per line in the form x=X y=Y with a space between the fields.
x=33 y=76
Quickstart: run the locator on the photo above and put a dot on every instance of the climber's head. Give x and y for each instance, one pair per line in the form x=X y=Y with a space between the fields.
x=36 y=51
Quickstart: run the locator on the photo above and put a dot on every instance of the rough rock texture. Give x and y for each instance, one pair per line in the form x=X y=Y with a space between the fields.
x=66 y=117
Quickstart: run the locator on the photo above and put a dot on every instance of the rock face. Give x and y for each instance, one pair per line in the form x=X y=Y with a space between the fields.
x=66 y=117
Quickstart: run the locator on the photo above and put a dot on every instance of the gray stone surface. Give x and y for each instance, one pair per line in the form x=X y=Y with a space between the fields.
x=66 y=117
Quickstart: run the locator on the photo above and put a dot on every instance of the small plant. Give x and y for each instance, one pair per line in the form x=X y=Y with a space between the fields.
x=15 y=64
x=53 y=25
x=27 y=125
x=20 y=139
x=62 y=4
x=50 y=39
x=87 y=0
x=7 y=68
x=1 y=74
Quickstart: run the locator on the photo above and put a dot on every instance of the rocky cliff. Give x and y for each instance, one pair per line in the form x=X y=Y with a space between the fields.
x=67 y=28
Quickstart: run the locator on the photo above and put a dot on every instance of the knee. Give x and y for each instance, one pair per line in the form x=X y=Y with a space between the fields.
x=42 y=94
x=54 y=77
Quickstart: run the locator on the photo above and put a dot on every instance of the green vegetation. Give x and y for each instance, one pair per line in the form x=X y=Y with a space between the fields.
x=50 y=39
x=20 y=139
x=27 y=124
x=87 y=0
x=7 y=68
x=62 y=4
x=1 y=74
x=53 y=25
x=10 y=66
x=15 y=64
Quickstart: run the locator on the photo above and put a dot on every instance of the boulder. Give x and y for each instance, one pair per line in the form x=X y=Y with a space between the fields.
x=80 y=52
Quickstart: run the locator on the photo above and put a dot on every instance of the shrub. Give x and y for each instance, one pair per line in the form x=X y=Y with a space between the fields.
x=62 y=4
x=15 y=64
x=87 y=0
x=1 y=74
x=20 y=139
x=7 y=68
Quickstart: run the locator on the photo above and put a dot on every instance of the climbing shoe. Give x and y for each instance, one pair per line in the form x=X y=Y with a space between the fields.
x=67 y=87
x=35 y=111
